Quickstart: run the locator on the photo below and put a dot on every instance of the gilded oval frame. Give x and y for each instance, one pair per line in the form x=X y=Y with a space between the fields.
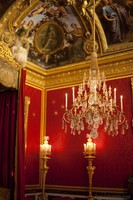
x=49 y=38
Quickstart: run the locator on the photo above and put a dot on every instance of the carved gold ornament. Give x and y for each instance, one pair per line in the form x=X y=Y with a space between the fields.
x=88 y=45
x=26 y=114
x=8 y=38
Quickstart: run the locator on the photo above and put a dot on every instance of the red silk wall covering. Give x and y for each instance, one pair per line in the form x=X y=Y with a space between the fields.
x=114 y=159
x=33 y=136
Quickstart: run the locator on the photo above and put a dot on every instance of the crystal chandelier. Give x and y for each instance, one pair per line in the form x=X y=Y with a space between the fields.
x=95 y=104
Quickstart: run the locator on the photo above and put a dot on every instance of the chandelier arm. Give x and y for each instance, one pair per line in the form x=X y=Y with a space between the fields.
x=65 y=117
x=123 y=119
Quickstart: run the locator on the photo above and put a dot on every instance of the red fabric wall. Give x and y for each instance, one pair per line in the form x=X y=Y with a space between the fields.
x=33 y=136
x=114 y=159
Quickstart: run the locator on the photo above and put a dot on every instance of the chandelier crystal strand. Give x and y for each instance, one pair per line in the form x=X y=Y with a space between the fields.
x=95 y=104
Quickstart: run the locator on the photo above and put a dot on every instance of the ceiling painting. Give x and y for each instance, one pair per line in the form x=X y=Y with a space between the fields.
x=58 y=33
x=116 y=17
x=54 y=34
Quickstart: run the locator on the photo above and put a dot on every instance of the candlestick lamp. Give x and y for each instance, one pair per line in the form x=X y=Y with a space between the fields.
x=45 y=155
x=89 y=153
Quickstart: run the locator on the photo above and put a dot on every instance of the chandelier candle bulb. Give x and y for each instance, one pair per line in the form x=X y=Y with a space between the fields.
x=89 y=147
x=45 y=147
x=121 y=101
x=95 y=93
x=115 y=96
x=73 y=93
x=111 y=105
x=109 y=91
x=66 y=100
x=85 y=147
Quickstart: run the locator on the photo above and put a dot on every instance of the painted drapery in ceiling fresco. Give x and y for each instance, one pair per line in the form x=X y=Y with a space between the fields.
x=57 y=33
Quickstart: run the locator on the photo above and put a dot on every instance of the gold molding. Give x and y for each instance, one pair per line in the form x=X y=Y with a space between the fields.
x=85 y=189
x=26 y=113
x=42 y=121
x=74 y=189
x=35 y=79
x=114 y=67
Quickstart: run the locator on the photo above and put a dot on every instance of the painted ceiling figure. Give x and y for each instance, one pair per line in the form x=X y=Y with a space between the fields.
x=116 y=17
x=39 y=10
x=25 y=28
x=129 y=4
x=77 y=35
x=50 y=42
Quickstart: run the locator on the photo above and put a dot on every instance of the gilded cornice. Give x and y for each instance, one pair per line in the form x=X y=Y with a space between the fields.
x=35 y=79
x=114 y=67
x=112 y=71
x=118 y=69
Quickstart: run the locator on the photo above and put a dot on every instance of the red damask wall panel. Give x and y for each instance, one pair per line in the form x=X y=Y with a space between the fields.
x=33 y=136
x=114 y=154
